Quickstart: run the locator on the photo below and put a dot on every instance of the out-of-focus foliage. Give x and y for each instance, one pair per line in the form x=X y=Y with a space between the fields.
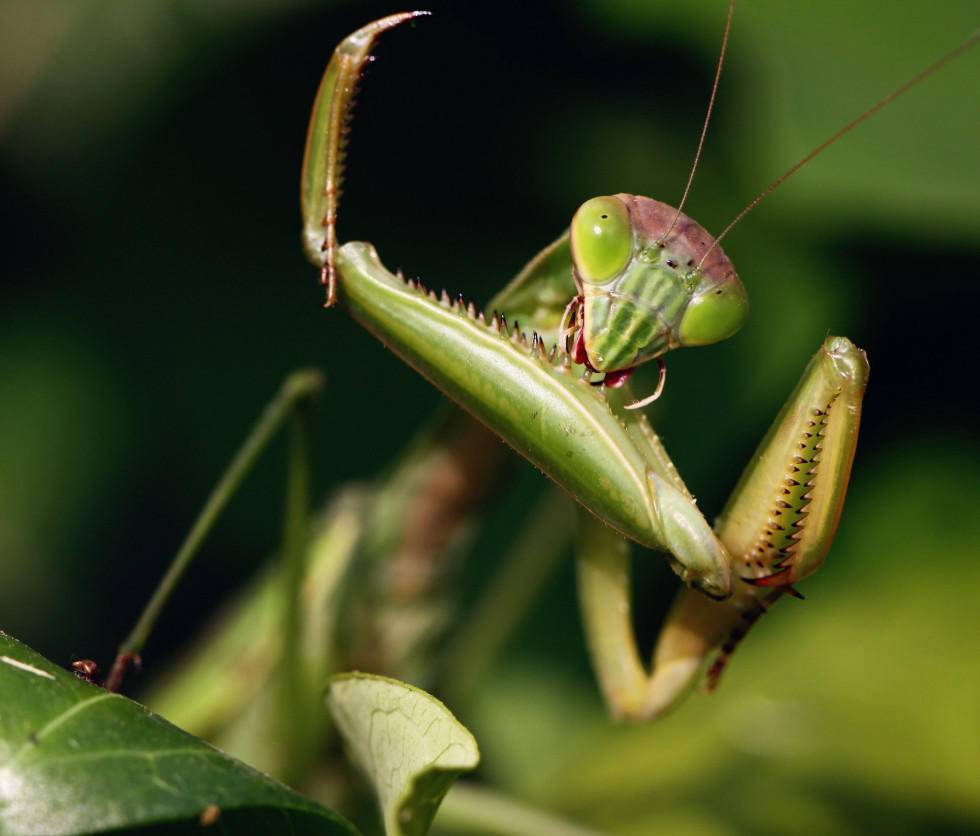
x=155 y=293
x=813 y=67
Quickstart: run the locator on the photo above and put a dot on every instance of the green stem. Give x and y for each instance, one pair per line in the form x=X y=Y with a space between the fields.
x=526 y=568
x=297 y=388
x=469 y=810
x=293 y=705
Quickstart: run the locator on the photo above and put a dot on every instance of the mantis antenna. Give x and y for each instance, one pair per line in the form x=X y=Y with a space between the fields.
x=922 y=76
x=707 y=118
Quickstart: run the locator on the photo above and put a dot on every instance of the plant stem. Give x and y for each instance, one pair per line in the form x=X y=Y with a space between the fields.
x=292 y=691
x=470 y=809
x=527 y=566
x=298 y=387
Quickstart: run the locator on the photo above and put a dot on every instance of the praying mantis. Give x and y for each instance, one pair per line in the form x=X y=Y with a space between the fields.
x=547 y=366
x=632 y=279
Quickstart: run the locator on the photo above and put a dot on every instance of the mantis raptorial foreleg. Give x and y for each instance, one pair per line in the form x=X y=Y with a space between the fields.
x=537 y=402
x=778 y=525
x=822 y=413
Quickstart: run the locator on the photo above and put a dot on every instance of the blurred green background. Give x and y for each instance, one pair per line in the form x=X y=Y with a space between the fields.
x=154 y=296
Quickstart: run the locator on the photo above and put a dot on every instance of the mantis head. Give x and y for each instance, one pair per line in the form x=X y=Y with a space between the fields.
x=650 y=279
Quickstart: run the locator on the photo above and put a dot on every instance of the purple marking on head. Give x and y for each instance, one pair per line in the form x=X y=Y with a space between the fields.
x=689 y=241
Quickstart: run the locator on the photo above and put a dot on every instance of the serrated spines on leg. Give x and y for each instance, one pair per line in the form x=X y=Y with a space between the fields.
x=769 y=562
x=534 y=345
x=746 y=622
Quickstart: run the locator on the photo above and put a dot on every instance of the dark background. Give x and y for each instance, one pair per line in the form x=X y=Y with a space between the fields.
x=155 y=295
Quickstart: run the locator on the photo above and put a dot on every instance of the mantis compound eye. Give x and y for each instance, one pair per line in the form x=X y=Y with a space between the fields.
x=714 y=314
x=602 y=239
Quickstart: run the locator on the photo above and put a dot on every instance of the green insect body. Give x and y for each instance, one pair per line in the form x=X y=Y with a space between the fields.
x=650 y=279
x=635 y=279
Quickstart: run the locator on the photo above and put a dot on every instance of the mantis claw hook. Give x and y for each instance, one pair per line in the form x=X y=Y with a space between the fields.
x=569 y=319
x=649 y=399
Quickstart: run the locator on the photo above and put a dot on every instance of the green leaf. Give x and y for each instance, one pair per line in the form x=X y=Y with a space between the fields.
x=408 y=743
x=75 y=758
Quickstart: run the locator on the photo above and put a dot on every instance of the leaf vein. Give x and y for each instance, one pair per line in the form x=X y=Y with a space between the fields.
x=54 y=723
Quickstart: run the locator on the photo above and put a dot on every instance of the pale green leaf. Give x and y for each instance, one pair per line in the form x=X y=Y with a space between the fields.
x=409 y=744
